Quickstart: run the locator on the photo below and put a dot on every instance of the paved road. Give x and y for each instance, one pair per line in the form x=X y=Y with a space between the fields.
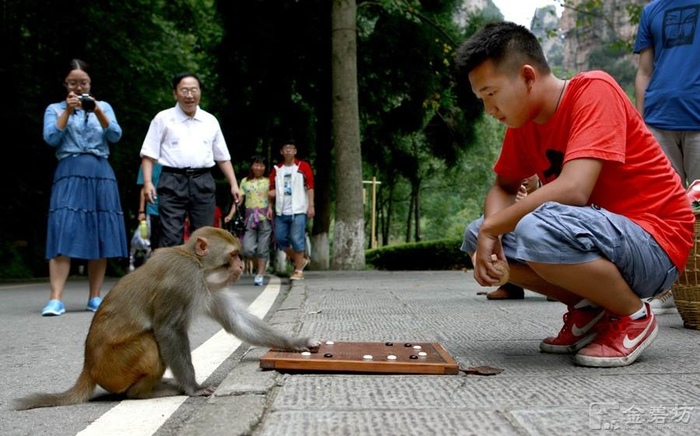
x=536 y=394
x=45 y=354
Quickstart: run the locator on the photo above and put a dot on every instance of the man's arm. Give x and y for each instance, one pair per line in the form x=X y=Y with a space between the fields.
x=230 y=175
x=643 y=77
x=311 y=211
x=148 y=190
x=502 y=213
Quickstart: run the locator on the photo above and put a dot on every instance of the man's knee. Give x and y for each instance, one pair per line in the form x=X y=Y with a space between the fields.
x=470 y=235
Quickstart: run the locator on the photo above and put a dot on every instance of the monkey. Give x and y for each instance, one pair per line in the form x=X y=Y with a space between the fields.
x=141 y=327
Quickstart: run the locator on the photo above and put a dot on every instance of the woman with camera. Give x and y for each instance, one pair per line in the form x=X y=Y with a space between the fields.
x=258 y=228
x=85 y=219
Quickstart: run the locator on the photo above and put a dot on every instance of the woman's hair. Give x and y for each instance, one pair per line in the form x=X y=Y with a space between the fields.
x=507 y=45
x=253 y=160
x=75 y=64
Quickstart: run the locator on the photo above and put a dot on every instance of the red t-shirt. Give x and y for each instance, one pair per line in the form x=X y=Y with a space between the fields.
x=597 y=120
x=304 y=168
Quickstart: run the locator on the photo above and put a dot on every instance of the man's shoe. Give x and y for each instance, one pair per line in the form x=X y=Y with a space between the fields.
x=93 y=304
x=578 y=331
x=258 y=281
x=297 y=275
x=53 y=308
x=619 y=342
x=508 y=291
x=662 y=303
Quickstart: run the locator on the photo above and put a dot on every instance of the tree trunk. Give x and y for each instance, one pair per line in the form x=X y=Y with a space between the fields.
x=409 y=217
x=349 y=230
x=416 y=209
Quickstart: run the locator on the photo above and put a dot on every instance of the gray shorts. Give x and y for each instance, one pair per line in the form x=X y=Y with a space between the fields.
x=559 y=234
x=256 y=242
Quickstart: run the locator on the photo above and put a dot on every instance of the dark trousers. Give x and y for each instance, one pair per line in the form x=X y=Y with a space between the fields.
x=155 y=231
x=181 y=195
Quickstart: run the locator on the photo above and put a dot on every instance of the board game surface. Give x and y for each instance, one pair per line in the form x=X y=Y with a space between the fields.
x=366 y=357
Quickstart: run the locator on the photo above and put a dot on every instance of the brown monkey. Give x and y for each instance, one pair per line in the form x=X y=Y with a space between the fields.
x=141 y=327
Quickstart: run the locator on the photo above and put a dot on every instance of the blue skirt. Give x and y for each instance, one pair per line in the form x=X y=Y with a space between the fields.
x=85 y=214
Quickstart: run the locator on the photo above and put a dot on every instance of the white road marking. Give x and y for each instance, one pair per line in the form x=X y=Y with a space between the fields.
x=145 y=417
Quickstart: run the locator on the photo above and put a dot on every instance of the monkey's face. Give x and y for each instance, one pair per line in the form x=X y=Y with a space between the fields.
x=227 y=270
x=235 y=266
x=218 y=251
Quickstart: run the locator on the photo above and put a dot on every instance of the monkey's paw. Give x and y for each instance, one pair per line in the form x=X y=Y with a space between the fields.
x=202 y=392
x=305 y=344
x=313 y=345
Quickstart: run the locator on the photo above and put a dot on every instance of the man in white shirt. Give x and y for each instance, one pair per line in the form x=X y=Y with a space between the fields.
x=187 y=141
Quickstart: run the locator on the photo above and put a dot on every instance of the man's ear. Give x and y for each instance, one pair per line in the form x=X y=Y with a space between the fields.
x=529 y=75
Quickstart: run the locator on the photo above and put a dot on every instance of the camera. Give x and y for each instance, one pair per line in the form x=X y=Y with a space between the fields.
x=87 y=102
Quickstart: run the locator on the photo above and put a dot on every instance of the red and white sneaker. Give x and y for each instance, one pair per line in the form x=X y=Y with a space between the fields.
x=619 y=341
x=577 y=332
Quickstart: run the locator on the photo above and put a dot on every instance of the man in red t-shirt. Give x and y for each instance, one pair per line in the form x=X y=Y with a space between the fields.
x=611 y=224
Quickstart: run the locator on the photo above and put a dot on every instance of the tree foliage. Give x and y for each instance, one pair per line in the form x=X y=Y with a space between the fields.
x=133 y=48
x=266 y=70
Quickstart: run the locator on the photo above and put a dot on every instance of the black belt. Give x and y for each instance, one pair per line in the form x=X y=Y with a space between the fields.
x=186 y=171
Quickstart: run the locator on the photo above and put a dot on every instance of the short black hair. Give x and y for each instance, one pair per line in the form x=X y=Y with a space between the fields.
x=179 y=76
x=253 y=160
x=508 y=45
x=257 y=159
x=289 y=141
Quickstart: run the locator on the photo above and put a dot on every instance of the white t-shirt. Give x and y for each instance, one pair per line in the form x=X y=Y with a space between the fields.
x=286 y=174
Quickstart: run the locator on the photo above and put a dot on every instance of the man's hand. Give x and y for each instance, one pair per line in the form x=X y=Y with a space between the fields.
x=490 y=266
x=149 y=192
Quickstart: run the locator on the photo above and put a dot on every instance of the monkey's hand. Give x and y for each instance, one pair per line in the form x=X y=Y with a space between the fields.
x=303 y=344
x=200 y=391
x=313 y=345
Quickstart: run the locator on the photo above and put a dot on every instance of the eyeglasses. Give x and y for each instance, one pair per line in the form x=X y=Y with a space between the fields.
x=72 y=84
x=185 y=91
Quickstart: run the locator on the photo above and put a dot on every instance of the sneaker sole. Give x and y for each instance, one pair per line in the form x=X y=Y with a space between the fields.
x=612 y=362
x=52 y=313
x=664 y=311
x=566 y=349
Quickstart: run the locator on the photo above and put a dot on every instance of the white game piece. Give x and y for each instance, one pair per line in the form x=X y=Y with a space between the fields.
x=305 y=353
x=367 y=357
x=391 y=357
x=330 y=342
x=417 y=347
x=422 y=354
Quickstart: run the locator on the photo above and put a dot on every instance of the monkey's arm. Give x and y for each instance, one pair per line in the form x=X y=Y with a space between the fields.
x=227 y=310
x=174 y=346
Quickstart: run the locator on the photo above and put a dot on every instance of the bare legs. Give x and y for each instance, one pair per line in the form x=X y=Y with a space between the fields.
x=96 y=275
x=59 y=268
x=572 y=283
x=297 y=258
x=262 y=266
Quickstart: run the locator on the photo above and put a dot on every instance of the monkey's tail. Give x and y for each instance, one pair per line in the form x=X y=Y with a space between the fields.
x=79 y=393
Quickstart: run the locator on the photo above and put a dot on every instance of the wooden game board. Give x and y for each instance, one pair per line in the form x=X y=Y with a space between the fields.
x=350 y=357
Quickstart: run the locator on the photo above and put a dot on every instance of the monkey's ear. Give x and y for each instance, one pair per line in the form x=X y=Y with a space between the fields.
x=201 y=246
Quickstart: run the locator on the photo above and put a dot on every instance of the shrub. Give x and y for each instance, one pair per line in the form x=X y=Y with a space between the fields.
x=441 y=254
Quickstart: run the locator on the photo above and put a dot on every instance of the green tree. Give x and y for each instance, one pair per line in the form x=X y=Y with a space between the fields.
x=348 y=247
x=134 y=47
